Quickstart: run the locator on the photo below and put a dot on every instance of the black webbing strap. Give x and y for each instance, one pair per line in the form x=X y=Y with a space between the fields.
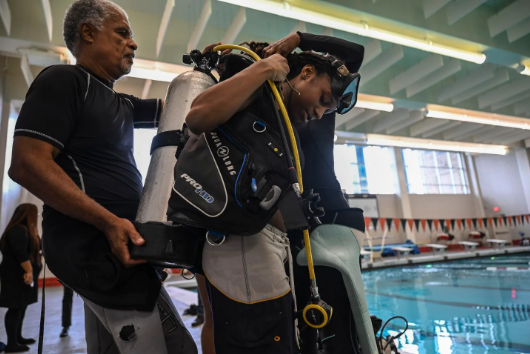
x=292 y=213
x=41 y=328
x=263 y=188
x=169 y=138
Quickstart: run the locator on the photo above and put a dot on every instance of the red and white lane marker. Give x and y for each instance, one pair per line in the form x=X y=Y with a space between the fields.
x=494 y=269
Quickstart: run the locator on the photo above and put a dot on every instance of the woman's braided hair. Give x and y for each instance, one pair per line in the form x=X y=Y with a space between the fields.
x=297 y=61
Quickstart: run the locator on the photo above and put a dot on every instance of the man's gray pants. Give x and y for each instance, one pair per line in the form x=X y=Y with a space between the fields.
x=160 y=331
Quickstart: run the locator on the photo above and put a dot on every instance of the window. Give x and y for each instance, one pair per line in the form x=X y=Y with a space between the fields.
x=365 y=169
x=435 y=172
x=142 y=149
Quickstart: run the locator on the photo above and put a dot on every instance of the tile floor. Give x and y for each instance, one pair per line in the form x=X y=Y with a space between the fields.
x=75 y=343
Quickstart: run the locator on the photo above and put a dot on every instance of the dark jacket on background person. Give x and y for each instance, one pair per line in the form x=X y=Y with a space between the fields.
x=14 y=292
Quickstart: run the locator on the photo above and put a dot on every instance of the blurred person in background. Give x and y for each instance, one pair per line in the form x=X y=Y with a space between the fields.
x=66 y=319
x=19 y=271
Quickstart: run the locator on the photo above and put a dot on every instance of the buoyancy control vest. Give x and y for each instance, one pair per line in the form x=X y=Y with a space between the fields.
x=232 y=179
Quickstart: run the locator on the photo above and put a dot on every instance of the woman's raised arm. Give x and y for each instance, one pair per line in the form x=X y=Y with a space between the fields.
x=220 y=102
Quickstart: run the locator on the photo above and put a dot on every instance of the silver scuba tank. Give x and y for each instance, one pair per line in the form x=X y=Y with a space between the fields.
x=168 y=245
x=159 y=180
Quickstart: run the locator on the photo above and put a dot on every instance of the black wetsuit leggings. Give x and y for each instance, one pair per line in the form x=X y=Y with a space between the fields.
x=262 y=328
x=13 y=322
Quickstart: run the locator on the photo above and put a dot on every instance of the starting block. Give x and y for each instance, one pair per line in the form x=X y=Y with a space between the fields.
x=401 y=251
x=475 y=235
x=468 y=246
x=497 y=243
x=436 y=248
x=364 y=253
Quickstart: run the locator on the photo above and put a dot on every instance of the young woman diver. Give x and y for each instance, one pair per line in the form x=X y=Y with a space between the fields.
x=249 y=289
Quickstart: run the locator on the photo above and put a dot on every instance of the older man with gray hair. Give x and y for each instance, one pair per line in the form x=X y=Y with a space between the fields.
x=73 y=148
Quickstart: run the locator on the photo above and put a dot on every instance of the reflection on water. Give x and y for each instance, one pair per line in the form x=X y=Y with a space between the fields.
x=456 y=307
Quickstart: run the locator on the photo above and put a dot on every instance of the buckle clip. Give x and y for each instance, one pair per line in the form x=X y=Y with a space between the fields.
x=215 y=239
x=310 y=206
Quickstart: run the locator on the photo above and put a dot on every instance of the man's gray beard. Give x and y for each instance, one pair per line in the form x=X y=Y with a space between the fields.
x=126 y=70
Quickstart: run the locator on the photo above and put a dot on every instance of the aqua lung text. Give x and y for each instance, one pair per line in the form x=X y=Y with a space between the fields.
x=224 y=153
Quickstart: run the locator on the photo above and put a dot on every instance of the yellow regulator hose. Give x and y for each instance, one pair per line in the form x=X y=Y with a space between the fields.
x=294 y=145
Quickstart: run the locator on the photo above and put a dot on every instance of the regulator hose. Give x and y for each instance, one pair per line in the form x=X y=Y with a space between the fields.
x=317 y=314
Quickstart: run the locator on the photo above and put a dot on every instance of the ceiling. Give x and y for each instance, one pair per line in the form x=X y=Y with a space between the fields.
x=410 y=78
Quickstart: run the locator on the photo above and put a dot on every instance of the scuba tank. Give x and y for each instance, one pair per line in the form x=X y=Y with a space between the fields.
x=168 y=245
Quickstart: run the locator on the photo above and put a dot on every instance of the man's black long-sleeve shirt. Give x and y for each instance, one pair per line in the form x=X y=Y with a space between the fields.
x=80 y=114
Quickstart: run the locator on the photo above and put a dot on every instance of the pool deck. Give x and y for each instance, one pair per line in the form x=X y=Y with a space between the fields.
x=422 y=258
x=431 y=257
x=75 y=344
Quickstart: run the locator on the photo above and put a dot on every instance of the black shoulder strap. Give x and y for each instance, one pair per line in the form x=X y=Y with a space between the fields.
x=169 y=138
x=292 y=214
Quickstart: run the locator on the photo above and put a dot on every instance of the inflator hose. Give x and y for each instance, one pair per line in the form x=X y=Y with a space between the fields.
x=298 y=167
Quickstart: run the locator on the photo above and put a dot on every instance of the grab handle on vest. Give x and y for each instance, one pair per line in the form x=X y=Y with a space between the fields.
x=316 y=302
x=271 y=198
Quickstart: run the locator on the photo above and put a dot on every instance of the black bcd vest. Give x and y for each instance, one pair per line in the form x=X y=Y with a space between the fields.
x=230 y=180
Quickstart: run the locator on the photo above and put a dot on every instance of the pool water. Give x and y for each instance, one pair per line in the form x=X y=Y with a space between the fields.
x=456 y=307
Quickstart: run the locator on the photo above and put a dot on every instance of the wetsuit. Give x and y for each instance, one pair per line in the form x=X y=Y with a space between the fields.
x=249 y=286
x=317 y=142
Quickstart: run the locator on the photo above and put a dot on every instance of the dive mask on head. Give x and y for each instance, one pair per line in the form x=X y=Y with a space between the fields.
x=344 y=86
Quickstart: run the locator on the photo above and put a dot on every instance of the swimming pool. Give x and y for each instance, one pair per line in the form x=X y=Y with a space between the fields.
x=466 y=306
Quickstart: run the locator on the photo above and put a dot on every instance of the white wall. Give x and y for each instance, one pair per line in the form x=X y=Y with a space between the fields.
x=501 y=180
x=428 y=206
x=389 y=206
x=501 y=184
x=442 y=206
x=11 y=191
x=504 y=183
x=12 y=194
x=4 y=117
x=12 y=87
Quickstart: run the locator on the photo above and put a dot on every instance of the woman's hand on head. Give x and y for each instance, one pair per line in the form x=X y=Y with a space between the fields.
x=277 y=67
x=283 y=47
